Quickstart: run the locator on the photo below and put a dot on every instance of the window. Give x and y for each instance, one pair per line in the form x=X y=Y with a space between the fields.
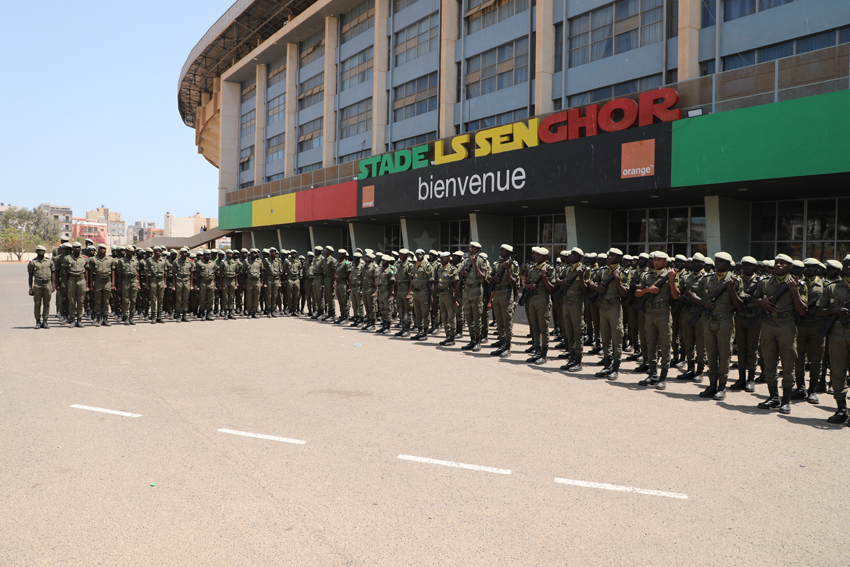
x=357 y=69
x=415 y=97
x=558 y=104
x=392 y=238
x=819 y=228
x=247 y=121
x=675 y=230
x=766 y=54
x=735 y=9
x=549 y=231
x=249 y=88
x=673 y=19
x=844 y=35
x=246 y=184
x=274 y=177
x=277 y=71
x=276 y=111
x=709 y=13
x=417 y=40
x=311 y=91
x=310 y=135
x=361 y=18
x=355 y=156
x=355 y=119
x=706 y=68
x=454 y=235
x=616 y=28
x=614 y=91
x=415 y=141
x=497 y=69
x=399 y=5
x=313 y=48
x=497 y=120
x=274 y=148
x=482 y=14
x=820 y=41
x=559 y=47
x=309 y=168
x=739 y=60
x=246 y=159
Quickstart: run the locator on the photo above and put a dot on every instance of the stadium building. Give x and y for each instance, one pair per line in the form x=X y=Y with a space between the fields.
x=680 y=125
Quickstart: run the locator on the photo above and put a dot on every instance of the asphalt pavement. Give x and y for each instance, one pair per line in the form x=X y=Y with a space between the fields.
x=292 y=442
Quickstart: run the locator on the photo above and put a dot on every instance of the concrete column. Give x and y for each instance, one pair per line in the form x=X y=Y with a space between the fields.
x=260 y=130
x=589 y=229
x=329 y=129
x=365 y=236
x=448 y=68
x=491 y=231
x=690 y=12
x=420 y=234
x=291 y=108
x=295 y=239
x=379 y=77
x=544 y=58
x=727 y=226
x=325 y=236
x=228 y=169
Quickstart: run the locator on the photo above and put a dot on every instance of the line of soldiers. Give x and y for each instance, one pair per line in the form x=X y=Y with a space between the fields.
x=678 y=312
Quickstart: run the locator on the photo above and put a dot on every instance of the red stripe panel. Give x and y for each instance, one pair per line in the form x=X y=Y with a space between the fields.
x=332 y=202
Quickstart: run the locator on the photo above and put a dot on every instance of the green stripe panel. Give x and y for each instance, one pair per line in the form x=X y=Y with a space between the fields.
x=806 y=136
x=235 y=216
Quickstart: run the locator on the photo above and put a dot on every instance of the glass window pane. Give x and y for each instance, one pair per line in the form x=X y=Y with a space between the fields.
x=823 y=251
x=766 y=54
x=697 y=224
x=843 y=223
x=635 y=249
x=790 y=221
x=531 y=230
x=637 y=225
x=701 y=248
x=619 y=226
x=560 y=236
x=820 y=219
x=793 y=249
x=678 y=227
x=546 y=229
x=657 y=225
x=519 y=230
x=464 y=233
x=764 y=222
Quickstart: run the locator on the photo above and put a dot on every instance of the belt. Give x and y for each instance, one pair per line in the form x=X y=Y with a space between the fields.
x=784 y=315
x=75 y=276
x=182 y=278
x=40 y=281
x=502 y=287
x=152 y=276
x=658 y=305
x=721 y=317
x=418 y=287
x=444 y=289
x=610 y=301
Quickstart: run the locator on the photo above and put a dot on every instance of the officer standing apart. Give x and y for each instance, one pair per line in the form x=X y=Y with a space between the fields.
x=102 y=274
x=474 y=273
x=41 y=279
x=75 y=284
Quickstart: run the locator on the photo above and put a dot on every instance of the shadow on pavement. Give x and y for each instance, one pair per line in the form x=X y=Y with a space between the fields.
x=817 y=423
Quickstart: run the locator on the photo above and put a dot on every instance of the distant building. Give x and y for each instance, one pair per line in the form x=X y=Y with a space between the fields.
x=184 y=227
x=4 y=207
x=142 y=230
x=64 y=215
x=85 y=228
x=116 y=228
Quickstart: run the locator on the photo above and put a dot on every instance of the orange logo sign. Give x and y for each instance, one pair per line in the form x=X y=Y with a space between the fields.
x=638 y=159
x=368 y=196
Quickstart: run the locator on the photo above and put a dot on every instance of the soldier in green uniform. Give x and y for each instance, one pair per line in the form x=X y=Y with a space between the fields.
x=206 y=270
x=679 y=263
x=593 y=304
x=194 y=293
x=168 y=296
x=434 y=303
x=810 y=344
x=447 y=288
x=402 y=292
x=421 y=291
x=719 y=321
x=747 y=340
x=539 y=284
x=457 y=260
x=75 y=283
x=308 y=284
x=228 y=272
x=693 y=344
x=608 y=284
x=573 y=281
x=506 y=277
x=241 y=257
x=474 y=273
x=272 y=272
x=128 y=270
x=253 y=282
x=318 y=272
x=355 y=282
x=41 y=278
x=834 y=304
x=385 y=283
x=328 y=270
x=182 y=271
x=641 y=268
x=293 y=272
x=61 y=274
x=101 y=270
x=155 y=278
x=779 y=329
x=661 y=284
x=341 y=277
x=369 y=289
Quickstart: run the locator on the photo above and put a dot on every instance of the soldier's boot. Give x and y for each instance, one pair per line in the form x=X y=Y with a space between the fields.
x=662 y=380
x=183 y=317
x=588 y=341
x=97 y=320
x=477 y=346
x=566 y=355
x=532 y=348
x=839 y=416
x=152 y=316
x=499 y=347
x=105 y=317
x=254 y=315
x=644 y=367
x=720 y=394
x=741 y=382
x=355 y=322
x=542 y=358
x=535 y=352
x=561 y=344
x=44 y=324
x=130 y=320
x=385 y=330
x=574 y=364
x=751 y=381
x=799 y=392
x=811 y=396
x=615 y=370
x=273 y=313
x=459 y=331
x=760 y=378
x=37 y=323
x=400 y=331
x=208 y=316
x=506 y=352
x=483 y=338
x=652 y=379
x=159 y=317
x=785 y=403
x=596 y=349
x=710 y=391
x=676 y=358
x=405 y=331
x=698 y=373
x=470 y=345
x=773 y=401
x=607 y=367
x=79 y=323
x=689 y=373
x=448 y=341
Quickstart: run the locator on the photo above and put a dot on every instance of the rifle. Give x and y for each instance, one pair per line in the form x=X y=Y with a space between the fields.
x=491 y=286
x=641 y=301
x=525 y=292
x=751 y=322
x=812 y=302
x=565 y=285
x=593 y=296
x=713 y=298
x=824 y=329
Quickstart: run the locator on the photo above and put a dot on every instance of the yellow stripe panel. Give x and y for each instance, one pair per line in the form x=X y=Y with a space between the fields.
x=274 y=210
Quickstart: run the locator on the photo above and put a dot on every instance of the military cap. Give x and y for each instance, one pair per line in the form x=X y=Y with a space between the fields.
x=784 y=258
x=846 y=258
x=723 y=256
x=130 y=247
x=149 y=250
x=394 y=253
x=798 y=264
x=272 y=249
x=368 y=251
x=602 y=256
x=342 y=251
x=564 y=253
x=101 y=245
x=65 y=245
x=680 y=257
x=40 y=247
x=265 y=250
x=709 y=261
x=643 y=255
x=699 y=257
x=221 y=252
x=458 y=253
x=834 y=264
x=591 y=255
x=358 y=255
x=628 y=257
x=257 y=250
x=205 y=252
x=302 y=257
x=228 y=251
x=89 y=241
x=432 y=251
x=245 y=250
x=64 y=238
x=749 y=260
x=311 y=254
x=370 y=255
x=616 y=251
x=193 y=255
x=444 y=254
x=476 y=244
x=507 y=247
x=770 y=263
x=76 y=245
x=184 y=249
x=660 y=254
x=330 y=248
x=420 y=251
x=813 y=262
x=318 y=248
x=404 y=251
x=386 y=257
x=540 y=250
x=484 y=255
x=577 y=250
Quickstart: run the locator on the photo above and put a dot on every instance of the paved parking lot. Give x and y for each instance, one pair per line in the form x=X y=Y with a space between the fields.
x=291 y=442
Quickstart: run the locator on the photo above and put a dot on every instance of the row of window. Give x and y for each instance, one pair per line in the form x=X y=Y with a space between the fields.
x=414 y=141
x=357 y=69
x=615 y=28
x=497 y=120
x=497 y=69
x=310 y=135
x=246 y=159
x=249 y=88
x=355 y=119
x=277 y=71
x=483 y=14
x=355 y=156
x=312 y=48
x=311 y=91
x=359 y=19
x=778 y=51
x=247 y=123
x=274 y=148
x=614 y=91
x=417 y=39
x=415 y=97
x=276 y=110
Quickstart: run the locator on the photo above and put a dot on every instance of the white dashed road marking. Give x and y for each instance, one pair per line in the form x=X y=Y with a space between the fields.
x=619 y=488
x=453 y=464
x=261 y=436
x=101 y=410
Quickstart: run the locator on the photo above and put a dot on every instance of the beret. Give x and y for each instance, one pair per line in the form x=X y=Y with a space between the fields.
x=507 y=247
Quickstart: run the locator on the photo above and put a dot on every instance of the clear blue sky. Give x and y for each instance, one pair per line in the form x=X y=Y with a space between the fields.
x=88 y=107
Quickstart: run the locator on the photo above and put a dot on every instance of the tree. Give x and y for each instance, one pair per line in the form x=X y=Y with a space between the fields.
x=21 y=230
x=17 y=242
